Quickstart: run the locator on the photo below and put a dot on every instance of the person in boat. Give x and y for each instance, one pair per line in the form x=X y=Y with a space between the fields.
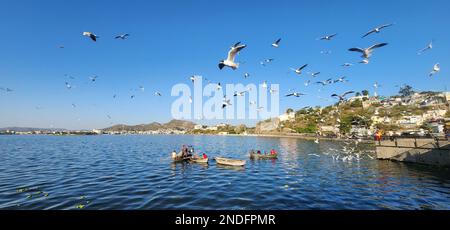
x=204 y=156
x=184 y=151
x=258 y=152
x=174 y=154
x=273 y=152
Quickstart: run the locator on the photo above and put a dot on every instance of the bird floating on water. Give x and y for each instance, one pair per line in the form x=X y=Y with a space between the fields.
x=229 y=62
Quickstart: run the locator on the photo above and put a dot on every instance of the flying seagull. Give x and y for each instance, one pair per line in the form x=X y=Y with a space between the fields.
x=295 y=94
x=342 y=97
x=347 y=64
x=193 y=78
x=272 y=91
x=226 y=102
x=276 y=44
x=299 y=70
x=328 y=37
x=429 y=47
x=219 y=86
x=315 y=74
x=364 y=61
x=239 y=94
x=93 y=78
x=436 y=69
x=267 y=61
x=8 y=90
x=264 y=84
x=158 y=94
x=122 y=36
x=307 y=82
x=341 y=79
x=246 y=75
x=91 y=35
x=323 y=83
x=142 y=88
x=68 y=86
x=377 y=29
x=231 y=56
x=367 y=52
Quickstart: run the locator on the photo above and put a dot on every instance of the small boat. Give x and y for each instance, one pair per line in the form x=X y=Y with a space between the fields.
x=199 y=160
x=263 y=156
x=179 y=158
x=230 y=162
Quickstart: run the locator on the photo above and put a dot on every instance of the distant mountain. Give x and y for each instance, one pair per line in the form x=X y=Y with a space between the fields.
x=29 y=129
x=173 y=124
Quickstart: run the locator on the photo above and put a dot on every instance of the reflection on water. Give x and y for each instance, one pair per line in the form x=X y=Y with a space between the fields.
x=136 y=172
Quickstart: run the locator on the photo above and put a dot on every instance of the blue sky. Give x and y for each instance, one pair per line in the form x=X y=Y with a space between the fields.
x=172 y=40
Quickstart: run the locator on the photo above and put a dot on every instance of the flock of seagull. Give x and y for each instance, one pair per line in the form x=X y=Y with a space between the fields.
x=230 y=62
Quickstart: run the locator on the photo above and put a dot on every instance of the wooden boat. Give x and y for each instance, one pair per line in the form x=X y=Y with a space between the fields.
x=179 y=158
x=199 y=160
x=230 y=162
x=263 y=156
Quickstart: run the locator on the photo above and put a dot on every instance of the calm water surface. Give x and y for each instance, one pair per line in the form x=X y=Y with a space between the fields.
x=135 y=172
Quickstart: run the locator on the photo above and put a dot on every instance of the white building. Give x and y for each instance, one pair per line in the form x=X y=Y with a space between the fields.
x=287 y=117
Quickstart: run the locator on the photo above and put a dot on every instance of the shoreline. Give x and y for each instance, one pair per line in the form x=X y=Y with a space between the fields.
x=296 y=136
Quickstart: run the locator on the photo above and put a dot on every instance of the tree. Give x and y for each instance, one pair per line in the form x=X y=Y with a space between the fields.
x=365 y=92
x=406 y=90
x=358 y=94
x=289 y=110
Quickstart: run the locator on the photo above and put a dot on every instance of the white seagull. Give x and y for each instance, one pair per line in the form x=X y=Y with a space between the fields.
x=91 y=35
x=226 y=102
x=231 y=56
x=364 y=61
x=436 y=69
x=377 y=29
x=158 y=94
x=267 y=61
x=276 y=44
x=295 y=94
x=68 y=86
x=122 y=36
x=347 y=64
x=264 y=84
x=429 y=47
x=341 y=79
x=246 y=75
x=342 y=97
x=367 y=52
x=299 y=70
x=93 y=78
x=328 y=37
x=272 y=91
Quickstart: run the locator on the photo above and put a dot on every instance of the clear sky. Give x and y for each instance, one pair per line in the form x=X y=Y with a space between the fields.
x=172 y=40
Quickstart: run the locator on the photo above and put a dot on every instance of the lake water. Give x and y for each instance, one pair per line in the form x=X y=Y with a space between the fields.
x=136 y=172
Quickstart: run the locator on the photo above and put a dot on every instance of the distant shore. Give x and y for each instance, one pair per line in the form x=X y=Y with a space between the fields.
x=273 y=135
